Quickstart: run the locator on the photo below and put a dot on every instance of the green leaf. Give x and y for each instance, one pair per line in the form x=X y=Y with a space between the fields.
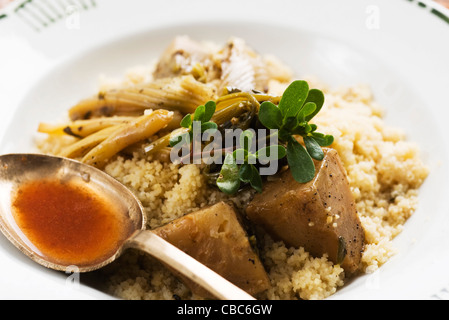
x=186 y=122
x=322 y=139
x=293 y=98
x=270 y=115
x=284 y=135
x=308 y=128
x=256 y=179
x=245 y=173
x=290 y=124
x=175 y=140
x=209 y=110
x=209 y=126
x=300 y=162
x=308 y=109
x=316 y=96
x=329 y=140
x=271 y=153
x=313 y=148
x=229 y=180
x=199 y=114
x=248 y=173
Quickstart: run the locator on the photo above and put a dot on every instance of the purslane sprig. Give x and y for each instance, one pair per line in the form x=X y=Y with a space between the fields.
x=239 y=166
x=203 y=114
x=297 y=107
x=290 y=119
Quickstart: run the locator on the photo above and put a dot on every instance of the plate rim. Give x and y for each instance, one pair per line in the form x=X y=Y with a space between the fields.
x=431 y=4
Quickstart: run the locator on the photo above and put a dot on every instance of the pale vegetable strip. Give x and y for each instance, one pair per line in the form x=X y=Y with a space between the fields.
x=183 y=94
x=105 y=106
x=81 y=147
x=83 y=128
x=138 y=130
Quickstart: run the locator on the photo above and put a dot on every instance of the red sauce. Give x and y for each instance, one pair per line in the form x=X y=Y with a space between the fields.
x=69 y=224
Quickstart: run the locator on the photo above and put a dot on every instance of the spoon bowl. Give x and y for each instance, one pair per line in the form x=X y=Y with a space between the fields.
x=16 y=170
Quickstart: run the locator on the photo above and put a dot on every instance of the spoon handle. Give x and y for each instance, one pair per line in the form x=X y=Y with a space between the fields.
x=187 y=266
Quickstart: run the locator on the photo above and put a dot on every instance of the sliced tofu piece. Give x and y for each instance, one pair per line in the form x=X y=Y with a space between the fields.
x=319 y=215
x=215 y=237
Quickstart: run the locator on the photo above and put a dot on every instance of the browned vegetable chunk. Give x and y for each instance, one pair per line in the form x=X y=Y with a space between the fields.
x=215 y=237
x=319 y=215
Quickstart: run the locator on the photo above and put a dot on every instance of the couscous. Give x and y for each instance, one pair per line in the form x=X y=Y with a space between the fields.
x=383 y=169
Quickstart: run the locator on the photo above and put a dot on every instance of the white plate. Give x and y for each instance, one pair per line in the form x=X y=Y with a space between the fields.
x=49 y=60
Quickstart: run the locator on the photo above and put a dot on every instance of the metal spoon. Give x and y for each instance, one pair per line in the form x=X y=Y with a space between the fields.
x=17 y=169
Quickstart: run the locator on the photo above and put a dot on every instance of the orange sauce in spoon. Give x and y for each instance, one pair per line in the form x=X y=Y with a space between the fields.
x=68 y=223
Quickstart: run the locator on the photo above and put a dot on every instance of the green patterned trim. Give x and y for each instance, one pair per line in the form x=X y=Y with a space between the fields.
x=422 y=5
x=443 y=16
x=39 y=14
x=440 y=15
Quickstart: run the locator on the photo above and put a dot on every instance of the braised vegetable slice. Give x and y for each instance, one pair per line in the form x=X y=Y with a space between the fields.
x=83 y=128
x=181 y=94
x=83 y=146
x=319 y=215
x=127 y=135
x=215 y=237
